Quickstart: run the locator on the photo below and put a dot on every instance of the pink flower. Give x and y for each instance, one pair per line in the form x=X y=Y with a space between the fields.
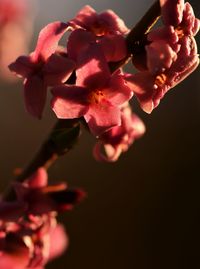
x=106 y=29
x=97 y=95
x=44 y=67
x=118 y=139
x=104 y=23
x=170 y=57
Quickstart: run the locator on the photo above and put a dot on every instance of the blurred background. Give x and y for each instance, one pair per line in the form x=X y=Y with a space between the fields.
x=141 y=212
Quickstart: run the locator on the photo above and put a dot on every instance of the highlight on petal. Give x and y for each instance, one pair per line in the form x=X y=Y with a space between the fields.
x=48 y=39
x=160 y=57
x=102 y=116
x=35 y=95
x=38 y=179
x=59 y=241
x=57 y=69
x=69 y=102
x=113 y=22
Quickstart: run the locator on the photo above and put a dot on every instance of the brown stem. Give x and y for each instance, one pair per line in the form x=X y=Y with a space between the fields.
x=143 y=27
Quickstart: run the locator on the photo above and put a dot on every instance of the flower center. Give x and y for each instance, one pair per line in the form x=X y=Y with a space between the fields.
x=95 y=97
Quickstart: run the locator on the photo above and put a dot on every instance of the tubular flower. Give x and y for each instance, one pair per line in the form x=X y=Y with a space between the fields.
x=43 y=67
x=118 y=139
x=171 y=55
x=97 y=95
x=29 y=233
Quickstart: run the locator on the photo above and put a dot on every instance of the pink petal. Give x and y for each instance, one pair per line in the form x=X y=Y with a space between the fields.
x=114 y=47
x=106 y=153
x=102 y=116
x=78 y=41
x=160 y=57
x=118 y=92
x=190 y=24
x=93 y=71
x=38 y=179
x=48 y=39
x=57 y=70
x=172 y=11
x=143 y=86
x=85 y=17
x=69 y=102
x=113 y=22
x=23 y=66
x=58 y=241
x=35 y=95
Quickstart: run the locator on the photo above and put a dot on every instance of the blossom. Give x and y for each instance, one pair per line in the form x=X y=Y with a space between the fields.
x=97 y=95
x=119 y=138
x=43 y=67
x=171 y=55
x=104 y=23
x=29 y=233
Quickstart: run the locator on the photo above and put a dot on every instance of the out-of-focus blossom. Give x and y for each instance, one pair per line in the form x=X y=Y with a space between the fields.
x=43 y=67
x=15 y=25
x=118 y=139
x=29 y=233
x=171 y=55
x=97 y=95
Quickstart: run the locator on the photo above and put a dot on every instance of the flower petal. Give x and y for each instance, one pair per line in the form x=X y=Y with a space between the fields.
x=118 y=92
x=93 y=71
x=69 y=102
x=48 y=39
x=102 y=116
x=172 y=11
x=78 y=41
x=35 y=95
x=57 y=70
x=114 y=47
x=23 y=66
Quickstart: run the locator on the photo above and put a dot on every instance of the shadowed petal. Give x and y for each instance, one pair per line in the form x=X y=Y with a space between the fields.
x=93 y=71
x=69 y=102
x=57 y=70
x=48 y=39
x=114 y=47
x=23 y=66
x=35 y=95
x=78 y=41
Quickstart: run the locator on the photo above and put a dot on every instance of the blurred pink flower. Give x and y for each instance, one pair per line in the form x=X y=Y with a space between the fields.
x=97 y=95
x=118 y=139
x=43 y=67
x=15 y=24
x=29 y=233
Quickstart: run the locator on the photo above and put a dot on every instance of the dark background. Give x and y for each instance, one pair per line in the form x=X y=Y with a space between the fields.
x=142 y=211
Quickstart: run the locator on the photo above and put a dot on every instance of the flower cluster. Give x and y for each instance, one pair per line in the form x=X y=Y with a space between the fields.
x=15 y=24
x=28 y=225
x=170 y=54
x=85 y=86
